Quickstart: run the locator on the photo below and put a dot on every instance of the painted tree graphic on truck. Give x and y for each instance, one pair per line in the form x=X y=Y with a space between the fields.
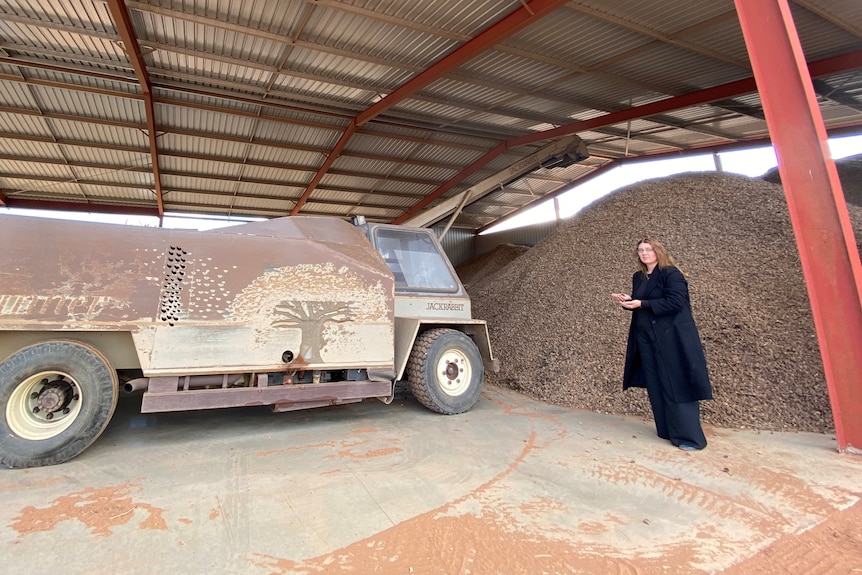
x=311 y=317
x=321 y=313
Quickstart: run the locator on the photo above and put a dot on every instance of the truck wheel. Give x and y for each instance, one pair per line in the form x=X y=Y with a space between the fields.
x=57 y=397
x=445 y=371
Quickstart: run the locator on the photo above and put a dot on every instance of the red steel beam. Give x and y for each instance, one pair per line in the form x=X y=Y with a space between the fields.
x=330 y=159
x=818 y=212
x=120 y=14
x=517 y=20
x=823 y=67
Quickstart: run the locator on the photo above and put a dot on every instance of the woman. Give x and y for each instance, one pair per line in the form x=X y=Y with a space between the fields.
x=664 y=352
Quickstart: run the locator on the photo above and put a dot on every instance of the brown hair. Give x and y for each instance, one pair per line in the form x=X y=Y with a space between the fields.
x=664 y=259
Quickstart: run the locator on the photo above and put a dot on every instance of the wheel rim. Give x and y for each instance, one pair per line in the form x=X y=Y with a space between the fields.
x=454 y=372
x=43 y=405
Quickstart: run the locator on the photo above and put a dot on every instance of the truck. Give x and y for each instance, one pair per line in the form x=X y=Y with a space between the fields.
x=292 y=313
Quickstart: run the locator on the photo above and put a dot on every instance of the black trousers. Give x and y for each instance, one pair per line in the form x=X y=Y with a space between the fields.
x=678 y=422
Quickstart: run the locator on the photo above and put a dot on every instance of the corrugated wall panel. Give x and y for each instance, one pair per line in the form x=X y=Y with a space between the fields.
x=459 y=244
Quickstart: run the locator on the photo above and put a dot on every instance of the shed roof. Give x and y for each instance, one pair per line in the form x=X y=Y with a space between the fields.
x=380 y=108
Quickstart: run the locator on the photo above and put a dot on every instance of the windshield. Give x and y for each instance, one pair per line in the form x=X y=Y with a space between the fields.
x=415 y=259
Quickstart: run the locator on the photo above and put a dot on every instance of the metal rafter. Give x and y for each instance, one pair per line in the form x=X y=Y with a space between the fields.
x=824 y=90
x=123 y=24
x=833 y=65
x=515 y=21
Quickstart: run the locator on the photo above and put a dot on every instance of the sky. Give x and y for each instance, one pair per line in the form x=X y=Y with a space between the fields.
x=753 y=162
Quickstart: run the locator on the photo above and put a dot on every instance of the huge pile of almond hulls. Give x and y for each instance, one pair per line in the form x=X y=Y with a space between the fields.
x=560 y=338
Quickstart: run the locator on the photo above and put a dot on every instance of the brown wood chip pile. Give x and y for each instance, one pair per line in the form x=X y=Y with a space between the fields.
x=560 y=338
x=478 y=268
x=849 y=172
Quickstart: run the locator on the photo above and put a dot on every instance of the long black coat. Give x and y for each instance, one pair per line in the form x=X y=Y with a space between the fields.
x=676 y=336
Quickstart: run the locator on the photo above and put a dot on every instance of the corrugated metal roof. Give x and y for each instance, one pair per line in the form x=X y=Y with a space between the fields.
x=674 y=15
x=251 y=100
x=823 y=38
x=576 y=41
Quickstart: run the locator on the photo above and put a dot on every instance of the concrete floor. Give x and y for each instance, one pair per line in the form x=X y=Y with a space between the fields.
x=514 y=486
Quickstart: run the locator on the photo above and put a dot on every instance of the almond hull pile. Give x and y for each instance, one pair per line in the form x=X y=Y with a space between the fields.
x=561 y=339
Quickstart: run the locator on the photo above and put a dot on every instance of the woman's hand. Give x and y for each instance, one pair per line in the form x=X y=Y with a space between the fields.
x=631 y=304
x=620 y=297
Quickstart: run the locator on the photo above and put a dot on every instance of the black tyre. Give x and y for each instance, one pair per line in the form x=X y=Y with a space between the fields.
x=56 y=398
x=445 y=371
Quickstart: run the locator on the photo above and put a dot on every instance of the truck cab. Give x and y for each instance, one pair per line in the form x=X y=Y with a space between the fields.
x=428 y=292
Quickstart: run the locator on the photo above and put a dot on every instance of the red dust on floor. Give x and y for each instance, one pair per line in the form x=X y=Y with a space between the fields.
x=100 y=510
x=435 y=544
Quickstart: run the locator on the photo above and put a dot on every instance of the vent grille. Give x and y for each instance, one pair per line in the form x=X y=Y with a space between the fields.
x=175 y=270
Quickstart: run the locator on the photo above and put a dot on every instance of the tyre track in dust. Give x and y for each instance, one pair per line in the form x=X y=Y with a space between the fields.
x=466 y=536
x=833 y=547
x=720 y=505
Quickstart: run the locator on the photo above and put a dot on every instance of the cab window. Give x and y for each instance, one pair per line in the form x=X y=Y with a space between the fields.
x=415 y=259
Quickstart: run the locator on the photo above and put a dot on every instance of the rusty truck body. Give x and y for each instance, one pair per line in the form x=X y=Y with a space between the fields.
x=293 y=313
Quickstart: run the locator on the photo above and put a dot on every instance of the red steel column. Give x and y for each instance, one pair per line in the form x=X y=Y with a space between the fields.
x=827 y=248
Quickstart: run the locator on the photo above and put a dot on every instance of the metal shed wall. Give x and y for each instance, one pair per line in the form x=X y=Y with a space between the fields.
x=525 y=236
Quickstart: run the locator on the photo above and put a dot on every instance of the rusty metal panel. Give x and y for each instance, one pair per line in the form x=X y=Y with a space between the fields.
x=233 y=299
x=283 y=398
